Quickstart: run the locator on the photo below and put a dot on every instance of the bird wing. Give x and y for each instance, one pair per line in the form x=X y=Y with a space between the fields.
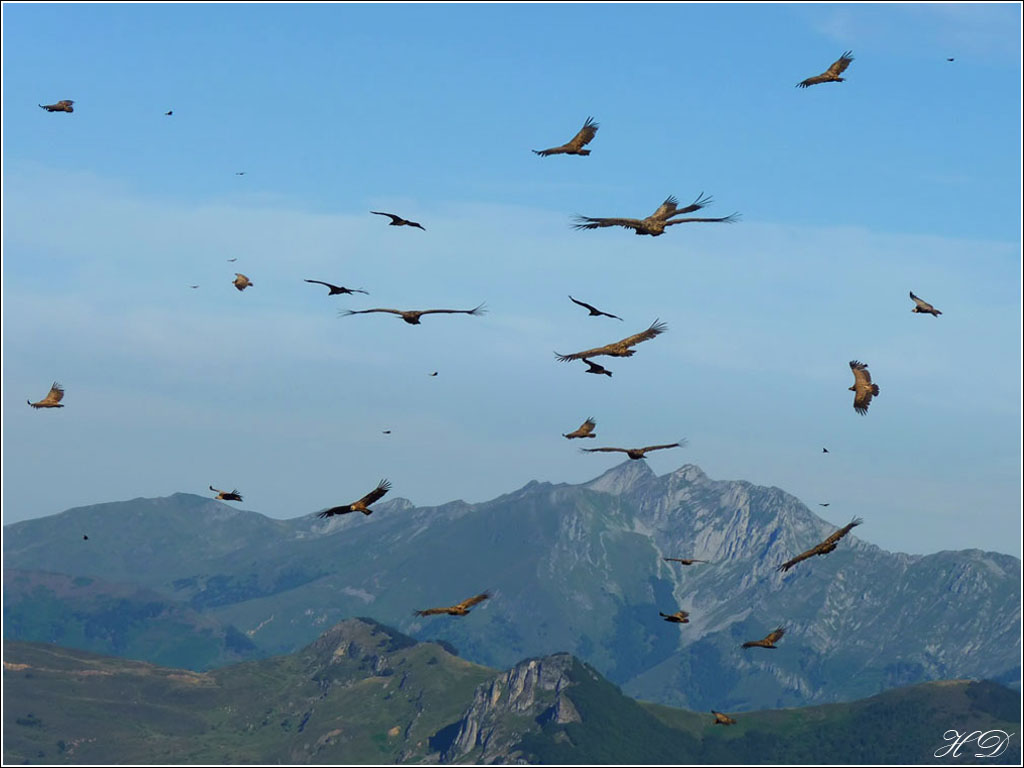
x=477 y=310
x=668 y=208
x=586 y=222
x=382 y=487
x=552 y=151
x=216 y=490
x=603 y=450
x=586 y=353
x=393 y=217
x=723 y=219
x=799 y=558
x=366 y=311
x=585 y=135
x=321 y=282
x=584 y=304
x=342 y=510
x=775 y=636
x=473 y=600
x=656 y=329
x=841 y=532
x=587 y=427
x=659 y=447
x=55 y=395
x=696 y=205
x=839 y=65
x=921 y=303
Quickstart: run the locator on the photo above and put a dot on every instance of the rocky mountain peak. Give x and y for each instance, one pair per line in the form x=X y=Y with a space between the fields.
x=627 y=476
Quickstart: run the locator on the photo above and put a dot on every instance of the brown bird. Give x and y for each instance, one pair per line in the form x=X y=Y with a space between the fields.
x=825 y=547
x=241 y=282
x=52 y=399
x=586 y=429
x=398 y=221
x=225 y=496
x=594 y=311
x=768 y=642
x=832 y=74
x=363 y=505
x=679 y=617
x=862 y=386
x=655 y=224
x=683 y=561
x=635 y=453
x=596 y=368
x=337 y=289
x=64 y=105
x=412 y=316
x=455 y=610
x=619 y=348
x=722 y=719
x=575 y=146
x=923 y=306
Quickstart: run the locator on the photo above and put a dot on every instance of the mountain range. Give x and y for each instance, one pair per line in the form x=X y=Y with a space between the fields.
x=572 y=568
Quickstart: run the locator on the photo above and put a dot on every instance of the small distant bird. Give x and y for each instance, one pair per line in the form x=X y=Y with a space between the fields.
x=386 y=432
x=337 y=289
x=432 y=374
x=722 y=718
x=619 y=348
x=234 y=259
x=682 y=560
x=52 y=399
x=679 y=617
x=225 y=496
x=576 y=144
x=923 y=306
x=398 y=221
x=85 y=538
x=768 y=642
x=596 y=368
x=828 y=545
x=862 y=386
x=586 y=429
x=635 y=453
x=655 y=224
x=594 y=311
x=363 y=505
x=824 y=450
x=241 y=282
x=832 y=74
x=412 y=316
x=455 y=610
x=950 y=59
x=64 y=105
x=169 y=112
x=193 y=286
x=239 y=173
x=823 y=505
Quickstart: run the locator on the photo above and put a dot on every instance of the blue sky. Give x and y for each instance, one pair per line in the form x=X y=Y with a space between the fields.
x=905 y=177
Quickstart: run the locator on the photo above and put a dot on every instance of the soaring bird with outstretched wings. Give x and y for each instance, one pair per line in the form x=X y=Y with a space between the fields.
x=634 y=453
x=830 y=75
x=398 y=221
x=335 y=290
x=363 y=505
x=619 y=348
x=923 y=307
x=594 y=311
x=595 y=367
x=722 y=719
x=241 y=282
x=64 y=105
x=586 y=429
x=768 y=642
x=575 y=146
x=412 y=316
x=225 y=496
x=455 y=610
x=862 y=387
x=679 y=617
x=825 y=547
x=684 y=561
x=655 y=224
x=52 y=399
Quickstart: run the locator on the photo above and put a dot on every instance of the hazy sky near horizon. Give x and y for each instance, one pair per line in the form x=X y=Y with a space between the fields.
x=904 y=177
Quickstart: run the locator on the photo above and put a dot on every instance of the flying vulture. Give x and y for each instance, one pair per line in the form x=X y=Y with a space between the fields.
x=768 y=642
x=337 y=289
x=594 y=311
x=825 y=504
x=52 y=399
x=241 y=282
x=596 y=368
x=619 y=348
x=682 y=560
x=169 y=113
x=239 y=173
x=398 y=221
x=432 y=374
x=455 y=610
x=412 y=316
x=575 y=146
x=225 y=496
x=193 y=286
x=825 y=547
x=363 y=505
x=722 y=719
x=923 y=306
x=824 y=450
x=832 y=74
x=64 y=105
x=863 y=387
x=635 y=453
x=586 y=429
x=234 y=259
x=679 y=617
x=655 y=224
